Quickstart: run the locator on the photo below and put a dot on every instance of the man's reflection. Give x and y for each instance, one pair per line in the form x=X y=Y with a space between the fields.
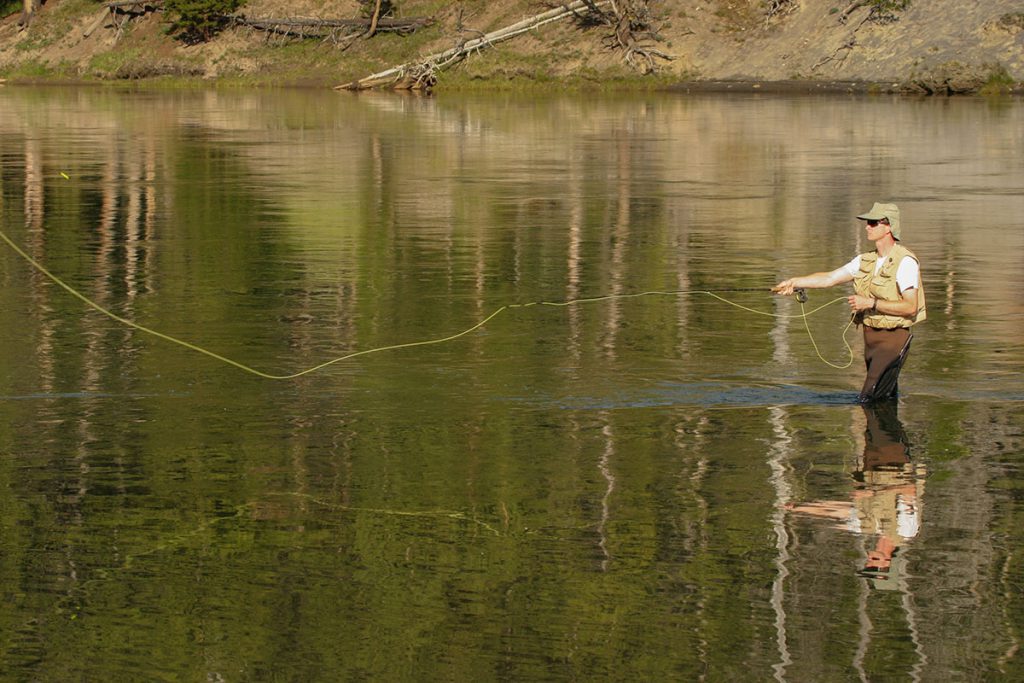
x=886 y=498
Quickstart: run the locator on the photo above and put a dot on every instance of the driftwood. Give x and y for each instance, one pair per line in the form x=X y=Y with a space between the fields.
x=422 y=74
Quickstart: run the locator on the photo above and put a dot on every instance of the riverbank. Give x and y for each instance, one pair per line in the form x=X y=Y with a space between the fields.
x=939 y=47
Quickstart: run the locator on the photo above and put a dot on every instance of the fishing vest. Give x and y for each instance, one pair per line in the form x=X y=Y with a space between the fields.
x=882 y=286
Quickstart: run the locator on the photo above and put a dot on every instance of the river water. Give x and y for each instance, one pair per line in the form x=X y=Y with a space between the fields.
x=666 y=487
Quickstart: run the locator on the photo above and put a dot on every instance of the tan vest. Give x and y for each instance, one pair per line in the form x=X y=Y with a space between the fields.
x=884 y=288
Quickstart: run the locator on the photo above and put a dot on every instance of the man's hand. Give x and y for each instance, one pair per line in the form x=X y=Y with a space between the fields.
x=785 y=288
x=861 y=303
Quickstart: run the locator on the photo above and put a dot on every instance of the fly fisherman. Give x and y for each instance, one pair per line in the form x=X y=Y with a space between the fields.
x=888 y=299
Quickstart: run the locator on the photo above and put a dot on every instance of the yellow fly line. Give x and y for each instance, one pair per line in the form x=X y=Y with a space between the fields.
x=571 y=302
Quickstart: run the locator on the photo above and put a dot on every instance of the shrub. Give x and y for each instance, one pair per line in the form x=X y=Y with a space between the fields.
x=887 y=11
x=196 y=21
x=881 y=11
x=999 y=81
x=387 y=8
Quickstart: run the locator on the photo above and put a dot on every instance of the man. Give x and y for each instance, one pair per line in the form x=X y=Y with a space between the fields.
x=888 y=299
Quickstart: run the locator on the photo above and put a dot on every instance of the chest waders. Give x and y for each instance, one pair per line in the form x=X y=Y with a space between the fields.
x=883 y=383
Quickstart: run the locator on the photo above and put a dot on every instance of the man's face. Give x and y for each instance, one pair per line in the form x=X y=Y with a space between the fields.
x=877 y=229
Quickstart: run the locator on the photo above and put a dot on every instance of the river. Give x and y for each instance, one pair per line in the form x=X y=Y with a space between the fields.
x=670 y=486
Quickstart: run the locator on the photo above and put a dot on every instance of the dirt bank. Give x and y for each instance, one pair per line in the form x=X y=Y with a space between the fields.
x=933 y=46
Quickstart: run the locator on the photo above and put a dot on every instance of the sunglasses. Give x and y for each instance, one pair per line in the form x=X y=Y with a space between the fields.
x=874 y=223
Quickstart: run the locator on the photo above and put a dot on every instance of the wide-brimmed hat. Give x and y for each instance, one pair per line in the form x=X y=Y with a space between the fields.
x=890 y=212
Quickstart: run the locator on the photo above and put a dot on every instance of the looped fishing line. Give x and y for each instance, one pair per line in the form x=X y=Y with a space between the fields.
x=571 y=302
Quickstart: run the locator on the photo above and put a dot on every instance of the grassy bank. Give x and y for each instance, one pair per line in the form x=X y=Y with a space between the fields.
x=715 y=45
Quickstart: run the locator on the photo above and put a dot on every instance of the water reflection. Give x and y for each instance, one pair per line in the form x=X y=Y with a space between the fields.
x=625 y=191
x=886 y=499
x=654 y=489
x=884 y=508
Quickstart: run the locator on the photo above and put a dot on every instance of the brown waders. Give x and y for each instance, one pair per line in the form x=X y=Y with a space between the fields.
x=884 y=353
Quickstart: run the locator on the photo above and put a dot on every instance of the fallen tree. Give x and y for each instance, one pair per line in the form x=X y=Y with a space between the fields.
x=422 y=74
x=333 y=29
x=115 y=14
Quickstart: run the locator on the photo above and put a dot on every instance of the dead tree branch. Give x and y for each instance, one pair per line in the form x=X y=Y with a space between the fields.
x=423 y=74
x=879 y=11
x=634 y=34
x=117 y=14
x=848 y=46
x=844 y=16
x=779 y=8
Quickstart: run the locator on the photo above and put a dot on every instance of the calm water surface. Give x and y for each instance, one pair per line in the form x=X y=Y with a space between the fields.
x=663 y=487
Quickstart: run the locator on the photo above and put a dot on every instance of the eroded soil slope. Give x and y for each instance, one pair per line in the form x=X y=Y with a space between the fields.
x=930 y=46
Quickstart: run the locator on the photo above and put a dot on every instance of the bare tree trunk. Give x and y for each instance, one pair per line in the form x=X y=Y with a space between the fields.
x=374 y=19
x=30 y=8
x=101 y=19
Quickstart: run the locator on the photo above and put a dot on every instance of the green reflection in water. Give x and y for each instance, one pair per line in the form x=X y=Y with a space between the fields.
x=571 y=493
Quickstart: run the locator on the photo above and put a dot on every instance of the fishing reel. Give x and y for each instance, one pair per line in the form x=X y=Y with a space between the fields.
x=801 y=294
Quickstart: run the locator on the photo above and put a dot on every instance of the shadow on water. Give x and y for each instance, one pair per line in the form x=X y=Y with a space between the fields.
x=711 y=394
x=724 y=395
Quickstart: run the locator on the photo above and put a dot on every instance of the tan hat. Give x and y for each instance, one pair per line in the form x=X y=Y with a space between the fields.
x=887 y=211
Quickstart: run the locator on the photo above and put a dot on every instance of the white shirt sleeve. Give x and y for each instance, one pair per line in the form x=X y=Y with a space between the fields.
x=907 y=274
x=853 y=267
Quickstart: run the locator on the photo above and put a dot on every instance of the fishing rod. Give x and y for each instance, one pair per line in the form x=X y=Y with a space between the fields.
x=800 y=292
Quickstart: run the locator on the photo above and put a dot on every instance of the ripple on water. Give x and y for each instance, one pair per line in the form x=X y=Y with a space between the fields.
x=710 y=394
